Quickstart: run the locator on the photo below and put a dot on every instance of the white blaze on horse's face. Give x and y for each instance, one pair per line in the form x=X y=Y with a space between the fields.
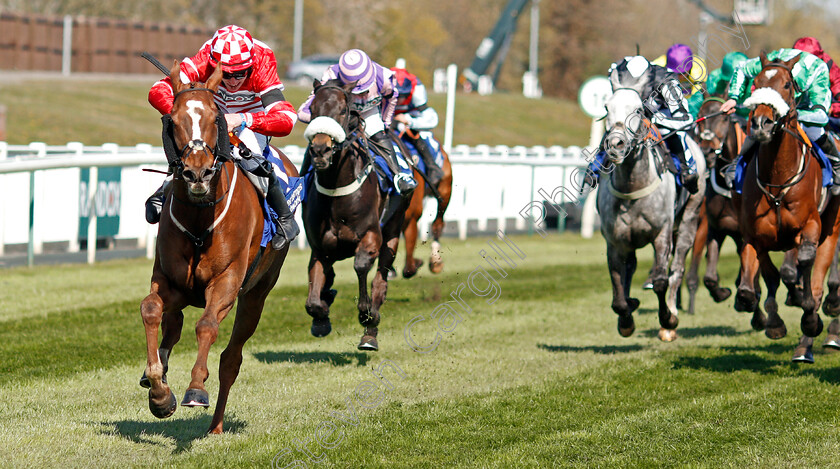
x=624 y=119
x=192 y=105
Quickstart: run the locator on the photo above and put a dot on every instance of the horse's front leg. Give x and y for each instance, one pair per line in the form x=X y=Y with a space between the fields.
x=621 y=304
x=808 y=258
x=366 y=253
x=219 y=296
x=160 y=302
x=692 y=280
x=745 y=298
x=321 y=276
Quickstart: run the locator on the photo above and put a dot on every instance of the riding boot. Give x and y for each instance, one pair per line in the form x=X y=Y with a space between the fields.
x=433 y=172
x=306 y=165
x=287 y=227
x=826 y=144
x=747 y=149
x=405 y=184
x=154 y=204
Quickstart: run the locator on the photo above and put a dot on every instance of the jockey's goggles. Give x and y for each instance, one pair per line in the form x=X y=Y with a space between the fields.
x=237 y=74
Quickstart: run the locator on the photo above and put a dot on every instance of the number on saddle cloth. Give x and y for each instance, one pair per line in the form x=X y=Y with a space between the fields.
x=415 y=155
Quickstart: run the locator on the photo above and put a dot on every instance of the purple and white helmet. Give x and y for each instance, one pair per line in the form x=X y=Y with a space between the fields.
x=355 y=65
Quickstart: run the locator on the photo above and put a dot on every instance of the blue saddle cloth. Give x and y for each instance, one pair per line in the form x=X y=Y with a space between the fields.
x=295 y=191
x=825 y=164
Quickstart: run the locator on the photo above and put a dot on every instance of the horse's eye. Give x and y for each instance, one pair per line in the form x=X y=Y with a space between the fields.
x=788 y=85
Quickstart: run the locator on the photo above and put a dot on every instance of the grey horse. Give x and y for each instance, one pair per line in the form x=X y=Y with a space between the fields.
x=637 y=204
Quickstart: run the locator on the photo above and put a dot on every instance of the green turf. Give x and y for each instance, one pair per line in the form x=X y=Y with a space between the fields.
x=538 y=378
x=96 y=111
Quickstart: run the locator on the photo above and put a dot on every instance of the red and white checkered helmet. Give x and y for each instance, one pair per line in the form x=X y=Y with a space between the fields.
x=231 y=47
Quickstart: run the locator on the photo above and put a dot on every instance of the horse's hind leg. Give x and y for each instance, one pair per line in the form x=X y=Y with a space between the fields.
x=831 y=305
x=711 y=279
x=692 y=281
x=412 y=265
x=791 y=278
x=321 y=276
x=248 y=312
x=435 y=261
x=366 y=254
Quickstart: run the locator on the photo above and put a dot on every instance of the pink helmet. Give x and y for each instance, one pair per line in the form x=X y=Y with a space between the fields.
x=355 y=65
x=231 y=47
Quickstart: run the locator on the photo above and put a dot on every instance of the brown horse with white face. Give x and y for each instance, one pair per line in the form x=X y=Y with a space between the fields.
x=779 y=206
x=208 y=253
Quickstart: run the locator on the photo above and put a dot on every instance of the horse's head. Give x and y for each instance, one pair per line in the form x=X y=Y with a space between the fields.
x=772 y=102
x=331 y=121
x=196 y=132
x=713 y=131
x=625 y=121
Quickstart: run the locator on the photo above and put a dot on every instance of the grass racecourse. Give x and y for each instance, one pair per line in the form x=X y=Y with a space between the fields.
x=538 y=378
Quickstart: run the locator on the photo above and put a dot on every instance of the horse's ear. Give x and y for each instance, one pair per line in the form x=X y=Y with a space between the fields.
x=349 y=86
x=790 y=63
x=763 y=57
x=316 y=83
x=175 y=77
x=215 y=79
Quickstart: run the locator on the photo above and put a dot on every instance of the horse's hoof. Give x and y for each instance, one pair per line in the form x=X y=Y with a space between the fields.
x=831 y=307
x=436 y=266
x=667 y=335
x=411 y=271
x=721 y=294
x=648 y=285
x=632 y=305
x=321 y=327
x=196 y=398
x=164 y=409
x=832 y=341
x=775 y=333
x=803 y=353
x=626 y=326
x=369 y=343
x=392 y=274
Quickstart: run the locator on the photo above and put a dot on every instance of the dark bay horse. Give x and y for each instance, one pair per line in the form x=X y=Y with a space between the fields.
x=779 y=207
x=415 y=211
x=208 y=253
x=720 y=140
x=342 y=215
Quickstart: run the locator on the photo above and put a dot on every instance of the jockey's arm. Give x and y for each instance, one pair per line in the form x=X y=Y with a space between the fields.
x=672 y=110
x=390 y=96
x=422 y=117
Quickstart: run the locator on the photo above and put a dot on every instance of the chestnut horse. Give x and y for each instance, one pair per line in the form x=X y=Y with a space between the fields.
x=779 y=207
x=208 y=253
x=720 y=140
x=342 y=214
x=415 y=211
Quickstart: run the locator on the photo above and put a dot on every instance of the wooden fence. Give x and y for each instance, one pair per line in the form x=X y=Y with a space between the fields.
x=97 y=45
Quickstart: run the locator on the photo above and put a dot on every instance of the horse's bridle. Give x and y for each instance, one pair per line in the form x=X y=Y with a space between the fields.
x=340 y=147
x=707 y=135
x=198 y=144
x=782 y=120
